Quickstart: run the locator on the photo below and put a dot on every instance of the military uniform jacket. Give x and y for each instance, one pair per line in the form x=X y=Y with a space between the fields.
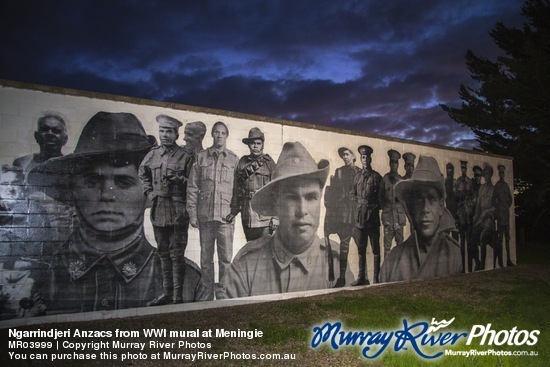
x=366 y=185
x=168 y=197
x=484 y=212
x=393 y=213
x=450 y=200
x=404 y=262
x=210 y=186
x=263 y=266
x=251 y=174
x=82 y=279
x=502 y=200
x=464 y=194
x=338 y=197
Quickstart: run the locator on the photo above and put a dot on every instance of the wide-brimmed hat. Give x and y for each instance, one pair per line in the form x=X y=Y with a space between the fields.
x=254 y=134
x=294 y=161
x=341 y=151
x=426 y=172
x=106 y=134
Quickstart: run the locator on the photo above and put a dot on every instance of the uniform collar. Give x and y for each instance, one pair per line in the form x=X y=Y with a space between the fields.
x=283 y=258
x=80 y=258
x=168 y=150
x=214 y=152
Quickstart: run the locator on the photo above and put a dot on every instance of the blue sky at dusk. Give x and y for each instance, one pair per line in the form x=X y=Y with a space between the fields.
x=381 y=67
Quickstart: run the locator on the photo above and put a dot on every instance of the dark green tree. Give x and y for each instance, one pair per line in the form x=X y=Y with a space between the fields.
x=509 y=110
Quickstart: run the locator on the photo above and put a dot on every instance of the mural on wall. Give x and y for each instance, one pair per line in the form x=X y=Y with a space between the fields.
x=74 y=233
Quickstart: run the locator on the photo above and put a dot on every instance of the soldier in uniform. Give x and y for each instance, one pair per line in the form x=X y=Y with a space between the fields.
x=430 y=251
x=252 y=173
x=107 y=263
x=294 y=258
x=463 y=193
x=476 y=181
x=163 y=174
x=209 y=193
x=51 y=136
x=367 y=218
x=502 y=201
x=409 y=164
x=339 y=217
x=483 y=230
x=393 y=213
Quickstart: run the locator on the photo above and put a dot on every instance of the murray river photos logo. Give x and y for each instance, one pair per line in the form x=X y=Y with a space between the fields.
x=419 y=337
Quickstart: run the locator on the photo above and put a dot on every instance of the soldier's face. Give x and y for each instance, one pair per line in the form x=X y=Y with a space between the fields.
x=256 y=147
x=409 y=169
x=365 y=160
x=450 y=172
x=167 y=136
x=219 y=133
x=347 y=157
x=51 y=135
x=393 y=165
x=501 y=175
x=298 y=206
x=109 y=198
x=427 y=208
x=477 y=177
x=463 y=171
x=192 y=138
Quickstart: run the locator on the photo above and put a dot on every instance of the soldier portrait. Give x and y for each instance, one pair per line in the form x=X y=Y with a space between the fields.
x=51 y=136
x=107 y=263
x=339 y=217
x=393 y=213
x=502 y=201
x=209 y=194
x=252 y=173
x=430 y=251
x=163 y=174
x=294 y=258
x=365 y=194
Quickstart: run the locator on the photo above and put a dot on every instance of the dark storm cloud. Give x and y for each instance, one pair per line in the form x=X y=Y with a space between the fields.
x=375 y=66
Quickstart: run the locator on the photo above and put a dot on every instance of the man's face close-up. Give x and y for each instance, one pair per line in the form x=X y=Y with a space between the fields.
x=394 y=165
x=219 y=133
x=298 y=206
x=51 y=135
x=109 y=198
x=167 y=136
x=347 y=157
x=365 y=160
x=409 y=169
x=477 y=177
x=256 y=147
x=450 y=172
x=192 y=138
x=427 y=208
x=463 y=171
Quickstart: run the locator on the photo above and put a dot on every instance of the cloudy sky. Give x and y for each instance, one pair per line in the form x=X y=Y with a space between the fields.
x=381 y=66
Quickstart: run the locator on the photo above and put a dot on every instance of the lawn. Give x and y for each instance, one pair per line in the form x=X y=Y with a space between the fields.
x=506 y=298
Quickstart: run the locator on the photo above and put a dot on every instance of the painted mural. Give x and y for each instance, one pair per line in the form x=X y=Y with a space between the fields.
x=110 y=205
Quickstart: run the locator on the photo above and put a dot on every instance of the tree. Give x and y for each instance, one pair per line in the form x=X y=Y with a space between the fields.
x=509 y=110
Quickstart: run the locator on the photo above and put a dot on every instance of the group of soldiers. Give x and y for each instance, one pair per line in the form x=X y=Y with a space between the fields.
x=481 y=212
x=102 y=259
x=356 y=195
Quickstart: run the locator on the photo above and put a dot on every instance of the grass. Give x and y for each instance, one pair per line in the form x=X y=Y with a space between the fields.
x=511 y=297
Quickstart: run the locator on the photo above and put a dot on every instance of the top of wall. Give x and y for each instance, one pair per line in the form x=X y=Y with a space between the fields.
x=184 y=107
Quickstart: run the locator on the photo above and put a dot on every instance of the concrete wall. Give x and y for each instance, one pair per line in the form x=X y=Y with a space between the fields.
x=39 y=235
